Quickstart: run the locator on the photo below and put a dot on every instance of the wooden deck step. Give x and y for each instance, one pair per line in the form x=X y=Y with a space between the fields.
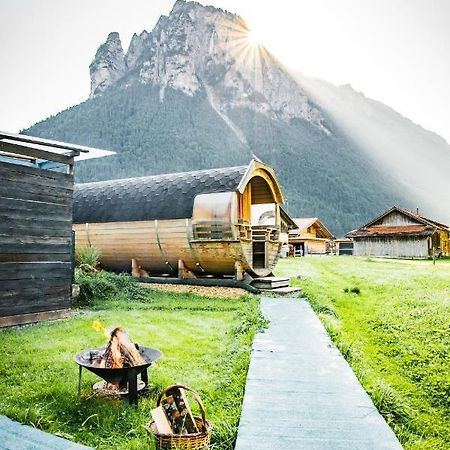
x=282 y=290
x=270 y=282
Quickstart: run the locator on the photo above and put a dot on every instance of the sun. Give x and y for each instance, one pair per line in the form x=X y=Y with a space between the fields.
x=254 y=38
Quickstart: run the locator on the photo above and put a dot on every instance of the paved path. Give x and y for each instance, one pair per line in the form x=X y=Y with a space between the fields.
x=15 y=436
x=300 y=391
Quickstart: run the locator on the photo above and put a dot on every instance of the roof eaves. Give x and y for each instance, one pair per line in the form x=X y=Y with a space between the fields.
x=326 y=230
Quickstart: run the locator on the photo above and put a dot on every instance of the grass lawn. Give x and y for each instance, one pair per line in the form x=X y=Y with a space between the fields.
x=206 y=344
x=391 y=320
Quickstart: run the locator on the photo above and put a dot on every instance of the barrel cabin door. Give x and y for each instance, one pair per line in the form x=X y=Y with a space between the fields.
x=263 y=217
x=247 y=215
x=259 y=255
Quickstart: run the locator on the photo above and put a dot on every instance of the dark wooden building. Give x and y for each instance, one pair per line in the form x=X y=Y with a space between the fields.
x=36 y=184
x=400 y=233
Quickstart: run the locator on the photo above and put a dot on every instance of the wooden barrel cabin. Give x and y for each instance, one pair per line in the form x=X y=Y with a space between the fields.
x=190 y=224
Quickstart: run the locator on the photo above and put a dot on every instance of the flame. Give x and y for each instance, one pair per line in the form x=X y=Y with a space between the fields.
x=116 y=354
x=119 y=350
x=98 y=326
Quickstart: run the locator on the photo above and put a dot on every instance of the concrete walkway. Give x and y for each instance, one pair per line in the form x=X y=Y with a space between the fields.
x=300 y=391
x=15 y=436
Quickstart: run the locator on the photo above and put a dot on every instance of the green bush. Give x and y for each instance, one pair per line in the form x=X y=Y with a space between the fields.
x=101 y=286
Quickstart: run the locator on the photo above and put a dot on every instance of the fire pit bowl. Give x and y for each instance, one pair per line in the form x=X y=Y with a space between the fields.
x=90 y=360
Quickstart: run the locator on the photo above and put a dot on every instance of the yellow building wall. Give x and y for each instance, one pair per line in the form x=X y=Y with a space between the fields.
x=445 y=242
x=316 y=246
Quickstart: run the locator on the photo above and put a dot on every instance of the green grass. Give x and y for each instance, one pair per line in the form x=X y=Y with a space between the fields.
x=206 y=344
x=391 y=320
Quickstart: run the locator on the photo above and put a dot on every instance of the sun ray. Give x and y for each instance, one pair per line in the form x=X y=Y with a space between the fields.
x=248 y=54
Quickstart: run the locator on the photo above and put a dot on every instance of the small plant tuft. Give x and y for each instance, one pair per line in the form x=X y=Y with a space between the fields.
x=87 y=258
x=353 y=290
x=346 y=350
x=390 y=404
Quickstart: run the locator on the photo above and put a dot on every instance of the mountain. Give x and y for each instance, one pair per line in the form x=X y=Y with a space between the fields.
x=194 y=93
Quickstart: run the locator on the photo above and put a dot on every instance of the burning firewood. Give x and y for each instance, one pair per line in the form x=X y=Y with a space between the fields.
x=121 y=352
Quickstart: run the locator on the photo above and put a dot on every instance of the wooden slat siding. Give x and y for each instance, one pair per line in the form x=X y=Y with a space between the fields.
x=51 y=195
x=14 y=219
x=21 y=296
x=35 y=257
x=37 y=209
x=15 y=288
x=20 y=319
x=59 y=231
x=28 y=270
x=35 y=176
x=36 y=183
x=35 y=243
x=33 y=239
x=10 y=248
x=30 y=301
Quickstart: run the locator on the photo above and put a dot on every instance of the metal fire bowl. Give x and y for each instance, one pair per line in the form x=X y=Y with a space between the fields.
x=116 y=376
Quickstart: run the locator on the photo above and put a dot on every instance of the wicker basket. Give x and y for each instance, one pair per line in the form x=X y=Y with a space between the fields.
x=192 y=441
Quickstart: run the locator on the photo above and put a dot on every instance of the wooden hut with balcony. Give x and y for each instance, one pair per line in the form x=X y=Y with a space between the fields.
x=310 y=237
x=191 y=224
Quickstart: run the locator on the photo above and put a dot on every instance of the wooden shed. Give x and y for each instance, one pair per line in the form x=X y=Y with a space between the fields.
x=36 y=184
x=310 y=237
x=190 y=224
x=344 y=246
x=401 y=233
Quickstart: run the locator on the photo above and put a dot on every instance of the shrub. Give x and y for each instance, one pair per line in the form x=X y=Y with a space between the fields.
x=87 y=257
x=100 y=286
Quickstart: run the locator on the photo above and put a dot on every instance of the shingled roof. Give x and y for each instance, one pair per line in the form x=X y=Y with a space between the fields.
x=169 y=196
x=422 y=226
x=404 y=230
x=413 y=215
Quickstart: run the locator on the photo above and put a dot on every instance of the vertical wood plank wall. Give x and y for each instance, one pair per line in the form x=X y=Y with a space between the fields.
x=35 y=243
x=407 y=247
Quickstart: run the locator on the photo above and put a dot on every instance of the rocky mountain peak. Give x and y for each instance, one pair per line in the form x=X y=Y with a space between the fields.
x=202 y=49
x=108 y=65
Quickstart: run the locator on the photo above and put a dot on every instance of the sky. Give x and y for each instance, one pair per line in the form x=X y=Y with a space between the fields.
x=394 y=51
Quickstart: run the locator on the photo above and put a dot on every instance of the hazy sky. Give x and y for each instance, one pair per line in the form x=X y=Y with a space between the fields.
x=395 y=51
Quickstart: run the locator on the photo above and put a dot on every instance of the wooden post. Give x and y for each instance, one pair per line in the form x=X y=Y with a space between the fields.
x=183 y=271
x=238 y=271
x=137 y=270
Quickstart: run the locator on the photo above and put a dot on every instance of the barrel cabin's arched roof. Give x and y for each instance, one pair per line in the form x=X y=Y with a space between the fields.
x=169 y=196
